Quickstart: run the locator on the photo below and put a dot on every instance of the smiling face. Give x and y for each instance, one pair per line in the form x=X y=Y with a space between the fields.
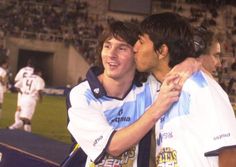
x=118 y=59
x=146 y=57
x=211 y=61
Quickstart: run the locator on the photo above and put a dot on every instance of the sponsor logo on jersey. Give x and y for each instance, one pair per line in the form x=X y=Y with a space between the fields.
x=167 y=157
x=124 y=160
x=221 y=136
x=97 y=140
x=120 y=119
x=166 y=135
x=96 y=90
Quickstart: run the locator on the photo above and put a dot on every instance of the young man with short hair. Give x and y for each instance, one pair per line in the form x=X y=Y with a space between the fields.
x=200 y=128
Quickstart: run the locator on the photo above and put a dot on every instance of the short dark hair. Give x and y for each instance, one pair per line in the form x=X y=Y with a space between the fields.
x=174 y=31
x=4 y=60
x=31 y=62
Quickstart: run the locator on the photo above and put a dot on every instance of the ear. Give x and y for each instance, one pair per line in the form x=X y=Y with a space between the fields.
x=163 y=51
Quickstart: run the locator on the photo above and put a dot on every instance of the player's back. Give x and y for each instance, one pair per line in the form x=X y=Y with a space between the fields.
x=24 y=72
x=30 y=85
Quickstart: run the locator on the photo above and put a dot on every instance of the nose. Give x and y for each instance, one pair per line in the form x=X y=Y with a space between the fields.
x=218 y=63
x=112 y=53
x=135 y=48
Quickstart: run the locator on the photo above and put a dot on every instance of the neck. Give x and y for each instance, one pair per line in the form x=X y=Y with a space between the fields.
x=161 y=72
x=207 y=72
x=116 y=87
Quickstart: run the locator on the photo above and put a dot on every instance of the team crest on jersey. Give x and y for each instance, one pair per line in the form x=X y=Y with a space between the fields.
x=96 y=90
x=167 y=157
x=124 y=160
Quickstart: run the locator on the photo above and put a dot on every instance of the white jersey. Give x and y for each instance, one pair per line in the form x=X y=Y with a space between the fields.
x=24 y=72
x=196 y=127
x=30 y=86
x=94 y=117
x=3 y=88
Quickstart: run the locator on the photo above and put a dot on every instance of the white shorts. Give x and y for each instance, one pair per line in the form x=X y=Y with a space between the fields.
x=28 y=105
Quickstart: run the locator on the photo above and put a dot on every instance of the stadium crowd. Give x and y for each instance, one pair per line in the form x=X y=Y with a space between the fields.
x=54 y=21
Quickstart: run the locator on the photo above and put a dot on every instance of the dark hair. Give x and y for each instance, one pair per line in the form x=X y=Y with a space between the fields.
x=174 y=31
x=203 y=40
x=31 y=62
x=125 y=31
x=4 y=60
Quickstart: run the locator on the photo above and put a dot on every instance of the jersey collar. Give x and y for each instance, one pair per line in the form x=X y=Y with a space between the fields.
x=95 y=85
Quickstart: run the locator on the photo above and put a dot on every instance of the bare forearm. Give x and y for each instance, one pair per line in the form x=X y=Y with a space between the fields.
x=127 y=137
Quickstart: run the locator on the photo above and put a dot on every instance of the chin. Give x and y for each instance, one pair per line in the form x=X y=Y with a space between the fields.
x=140 y=69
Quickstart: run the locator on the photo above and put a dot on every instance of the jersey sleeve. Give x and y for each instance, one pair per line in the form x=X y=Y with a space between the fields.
x=19 y=75
x=18 y=84
x=40 y=84
x=88 y=125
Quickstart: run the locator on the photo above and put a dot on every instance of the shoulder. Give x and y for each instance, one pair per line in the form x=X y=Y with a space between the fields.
x=82 y=88
x=202 y=83
x=197 y=80
x=81 y=94
x=28 y=68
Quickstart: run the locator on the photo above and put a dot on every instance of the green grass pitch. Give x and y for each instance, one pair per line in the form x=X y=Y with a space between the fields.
x=49 y=120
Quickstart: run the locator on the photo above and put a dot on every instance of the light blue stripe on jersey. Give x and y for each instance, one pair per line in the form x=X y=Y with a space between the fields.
x=132 y=108
x=181 y=107
x=199 y=79
x=121 y=113
x=89 y=96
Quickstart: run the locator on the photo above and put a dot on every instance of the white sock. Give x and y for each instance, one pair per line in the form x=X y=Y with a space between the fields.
x=17 y=125
x=27 y=128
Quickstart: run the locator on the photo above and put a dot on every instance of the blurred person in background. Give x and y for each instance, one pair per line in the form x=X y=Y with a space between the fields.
x=208 y=48
x=24 y=72
x=31 y=88
x=4 y=62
